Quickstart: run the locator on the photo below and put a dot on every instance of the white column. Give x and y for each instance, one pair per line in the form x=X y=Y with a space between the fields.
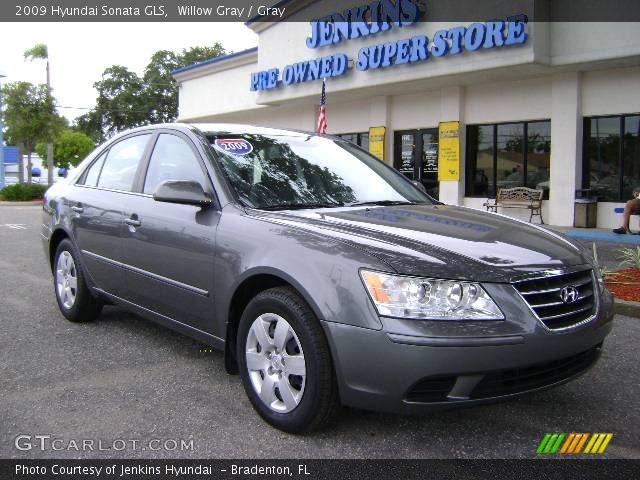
x=379 y=114
x=452 y=109
x=566 y=147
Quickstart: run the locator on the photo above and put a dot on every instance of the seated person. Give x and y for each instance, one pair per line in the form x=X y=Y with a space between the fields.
x=631 y=207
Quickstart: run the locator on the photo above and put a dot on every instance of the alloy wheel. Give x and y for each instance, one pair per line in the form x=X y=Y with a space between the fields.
x=275 y=362
x=66 y=280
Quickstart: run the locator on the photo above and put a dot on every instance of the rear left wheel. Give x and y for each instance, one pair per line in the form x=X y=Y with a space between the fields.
x=74 y=298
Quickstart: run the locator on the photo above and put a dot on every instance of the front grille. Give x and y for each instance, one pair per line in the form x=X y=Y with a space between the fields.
x=507 y=382
x=544 y=297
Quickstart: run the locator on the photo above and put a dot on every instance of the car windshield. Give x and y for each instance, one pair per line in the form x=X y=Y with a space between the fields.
x=300 y=170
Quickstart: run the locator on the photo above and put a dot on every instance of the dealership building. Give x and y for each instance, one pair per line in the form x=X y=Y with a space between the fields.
x=546 y=105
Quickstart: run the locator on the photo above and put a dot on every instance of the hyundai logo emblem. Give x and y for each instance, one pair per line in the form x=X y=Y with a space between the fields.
x=569 y=294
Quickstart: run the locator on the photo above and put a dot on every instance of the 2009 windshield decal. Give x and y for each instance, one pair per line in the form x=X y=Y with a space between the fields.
x=235 y=146
x=381 y=16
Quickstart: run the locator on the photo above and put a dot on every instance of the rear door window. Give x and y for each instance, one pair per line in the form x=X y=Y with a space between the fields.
x=121 y=164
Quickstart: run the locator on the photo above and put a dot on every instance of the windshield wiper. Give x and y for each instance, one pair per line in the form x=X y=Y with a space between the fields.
x=384 y=202
x=301 y=206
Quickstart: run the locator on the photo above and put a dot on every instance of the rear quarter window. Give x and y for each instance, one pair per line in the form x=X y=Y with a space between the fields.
x=90 y=177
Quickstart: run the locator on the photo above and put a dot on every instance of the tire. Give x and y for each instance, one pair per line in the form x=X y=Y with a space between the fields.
x=76 y=304
x=298 y=380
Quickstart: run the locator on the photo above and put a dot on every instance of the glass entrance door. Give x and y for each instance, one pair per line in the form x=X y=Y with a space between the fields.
x=416 y=156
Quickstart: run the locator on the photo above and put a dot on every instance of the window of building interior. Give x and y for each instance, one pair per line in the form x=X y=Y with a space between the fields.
x=361 y=139
x=611 y=166
x=507 y=155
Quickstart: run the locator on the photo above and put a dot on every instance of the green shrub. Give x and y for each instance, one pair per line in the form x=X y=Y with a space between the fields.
x=630 y=257
x=23 y=191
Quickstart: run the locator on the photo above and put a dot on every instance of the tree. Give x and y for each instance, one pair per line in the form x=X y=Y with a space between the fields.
x=69 y=148
x=40 y=51
x=90 y=124
x=161 y=87
x=121 y=100
x=126 y=100
x=28 y=116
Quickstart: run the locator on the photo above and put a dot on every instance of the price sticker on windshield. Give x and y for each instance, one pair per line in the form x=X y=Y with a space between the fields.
x=235 y=146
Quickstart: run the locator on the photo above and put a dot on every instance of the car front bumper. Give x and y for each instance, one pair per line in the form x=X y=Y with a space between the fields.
x=385 y=371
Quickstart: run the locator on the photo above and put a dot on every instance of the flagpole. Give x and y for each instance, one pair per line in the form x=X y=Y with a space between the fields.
x=321 y=126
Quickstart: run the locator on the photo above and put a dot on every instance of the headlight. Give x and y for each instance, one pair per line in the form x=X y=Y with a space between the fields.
x=427 y=298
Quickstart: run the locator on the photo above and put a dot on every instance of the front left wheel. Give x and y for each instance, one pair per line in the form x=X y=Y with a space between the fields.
x=74 y=298
x=285 y=363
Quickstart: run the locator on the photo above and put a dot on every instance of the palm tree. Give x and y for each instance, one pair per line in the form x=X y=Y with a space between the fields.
x=41 y=52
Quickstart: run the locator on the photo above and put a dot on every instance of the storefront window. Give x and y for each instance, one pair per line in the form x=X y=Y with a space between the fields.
x=360 y=139
x=538 y=155
x=611 y=168
x=631 y=156
x=508 y=155
x=416 y=157
x=480 y=174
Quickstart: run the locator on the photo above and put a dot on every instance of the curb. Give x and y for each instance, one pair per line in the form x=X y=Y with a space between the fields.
x=625 y=307
x=32 y=203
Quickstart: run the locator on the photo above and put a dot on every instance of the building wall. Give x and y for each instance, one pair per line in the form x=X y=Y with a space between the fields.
x=611 y=91
x=222 y=92
x=564 y=72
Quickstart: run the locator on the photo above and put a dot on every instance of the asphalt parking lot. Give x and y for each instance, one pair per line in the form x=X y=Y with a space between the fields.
x=124 y=378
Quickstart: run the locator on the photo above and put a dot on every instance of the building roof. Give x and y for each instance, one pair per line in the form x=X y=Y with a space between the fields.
x=213 y=60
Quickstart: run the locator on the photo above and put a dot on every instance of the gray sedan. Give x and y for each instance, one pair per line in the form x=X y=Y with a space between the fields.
x=325 y=276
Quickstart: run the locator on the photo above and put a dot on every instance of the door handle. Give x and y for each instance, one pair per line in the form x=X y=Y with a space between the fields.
x=77 y=209
x=132 y=222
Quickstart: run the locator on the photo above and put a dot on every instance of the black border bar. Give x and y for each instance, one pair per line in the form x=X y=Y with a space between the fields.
x=142 y=469
x=253 y=11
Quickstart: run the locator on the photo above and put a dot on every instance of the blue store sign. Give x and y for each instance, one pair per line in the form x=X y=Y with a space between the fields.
x=382 y=16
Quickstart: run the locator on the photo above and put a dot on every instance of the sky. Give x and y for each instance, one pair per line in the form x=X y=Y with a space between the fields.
x=79 y=52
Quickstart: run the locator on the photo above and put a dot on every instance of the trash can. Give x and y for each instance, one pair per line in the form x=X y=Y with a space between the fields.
x=585 y=212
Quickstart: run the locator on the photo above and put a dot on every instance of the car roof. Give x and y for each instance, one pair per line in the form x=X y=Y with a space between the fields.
x=238 y=129
x=225 y=129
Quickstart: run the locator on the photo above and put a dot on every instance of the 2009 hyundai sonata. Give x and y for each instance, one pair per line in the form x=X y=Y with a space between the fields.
x=325 y=276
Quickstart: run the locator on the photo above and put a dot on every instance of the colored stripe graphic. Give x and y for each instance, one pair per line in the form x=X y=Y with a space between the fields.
x=550 y=443
x=598 y=443
x=568 y=442
x=581 y=443
x=543 y=443
x=557 y=442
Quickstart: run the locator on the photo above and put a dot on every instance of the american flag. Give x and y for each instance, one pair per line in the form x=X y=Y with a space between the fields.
x=322 y=114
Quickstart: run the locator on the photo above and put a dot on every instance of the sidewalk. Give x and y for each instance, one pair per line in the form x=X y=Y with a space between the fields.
x=30 y=203
x=608 y=244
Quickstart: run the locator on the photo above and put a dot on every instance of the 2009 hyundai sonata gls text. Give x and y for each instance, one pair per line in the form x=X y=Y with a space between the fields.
x=325 y=276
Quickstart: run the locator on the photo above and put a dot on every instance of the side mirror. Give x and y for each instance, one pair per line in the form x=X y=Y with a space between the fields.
x=185 y=192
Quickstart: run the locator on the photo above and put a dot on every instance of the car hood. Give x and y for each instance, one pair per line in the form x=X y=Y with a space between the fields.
x=441 y=240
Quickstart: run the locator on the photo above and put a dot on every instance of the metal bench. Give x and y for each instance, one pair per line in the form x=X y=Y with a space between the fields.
x=518 y=197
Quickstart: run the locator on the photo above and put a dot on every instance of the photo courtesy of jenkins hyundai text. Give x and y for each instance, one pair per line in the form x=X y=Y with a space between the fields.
x=325 y=276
